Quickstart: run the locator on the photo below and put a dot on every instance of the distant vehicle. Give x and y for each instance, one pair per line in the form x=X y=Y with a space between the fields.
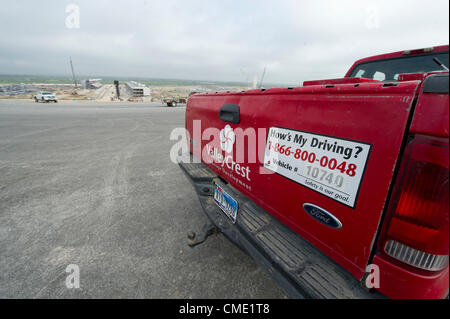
x=45 y=97
x=173 y=101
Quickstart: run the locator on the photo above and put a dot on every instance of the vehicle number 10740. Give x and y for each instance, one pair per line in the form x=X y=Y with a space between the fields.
x=325 y=176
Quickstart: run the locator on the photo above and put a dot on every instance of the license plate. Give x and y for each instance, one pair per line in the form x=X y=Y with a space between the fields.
x=226 y=202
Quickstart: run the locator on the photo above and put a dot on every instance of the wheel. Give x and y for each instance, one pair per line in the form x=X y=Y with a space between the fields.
x=174 y=103
x=169 y=103
x=56 y=101
x=36 y=100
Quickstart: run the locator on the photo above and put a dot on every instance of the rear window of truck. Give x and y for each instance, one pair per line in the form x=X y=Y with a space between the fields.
x=390 y=69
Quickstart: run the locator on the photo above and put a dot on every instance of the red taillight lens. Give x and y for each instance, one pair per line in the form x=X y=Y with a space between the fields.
x=417 y=224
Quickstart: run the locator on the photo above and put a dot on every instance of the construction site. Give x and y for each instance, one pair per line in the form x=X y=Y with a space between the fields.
x=108 y=90
x=95 y=90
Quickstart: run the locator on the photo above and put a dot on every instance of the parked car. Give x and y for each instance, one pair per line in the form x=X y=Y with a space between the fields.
x=45 y=97
x=338 y=188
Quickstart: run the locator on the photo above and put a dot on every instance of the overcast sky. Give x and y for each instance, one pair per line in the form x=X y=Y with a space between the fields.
x=212 y=40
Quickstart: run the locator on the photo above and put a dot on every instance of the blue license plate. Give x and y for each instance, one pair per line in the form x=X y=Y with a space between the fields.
x=226 y=202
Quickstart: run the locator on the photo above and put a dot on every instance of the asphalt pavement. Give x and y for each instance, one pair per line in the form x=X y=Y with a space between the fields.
x=91 y=184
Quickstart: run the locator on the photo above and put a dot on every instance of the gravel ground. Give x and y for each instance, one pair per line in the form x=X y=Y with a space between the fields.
x=91 y=184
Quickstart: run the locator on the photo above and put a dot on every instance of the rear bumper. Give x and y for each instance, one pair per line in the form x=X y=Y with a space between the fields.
x=399 y=282
x=298 y=267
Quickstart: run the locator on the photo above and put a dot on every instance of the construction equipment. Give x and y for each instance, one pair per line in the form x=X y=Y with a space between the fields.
x=73 y=73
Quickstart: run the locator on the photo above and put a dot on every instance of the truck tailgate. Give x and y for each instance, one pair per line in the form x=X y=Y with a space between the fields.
x=325 y=156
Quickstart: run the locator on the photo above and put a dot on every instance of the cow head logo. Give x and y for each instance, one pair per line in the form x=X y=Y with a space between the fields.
x=227 y=139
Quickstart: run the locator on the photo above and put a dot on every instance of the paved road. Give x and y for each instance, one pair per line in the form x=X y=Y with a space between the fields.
x=91 y=184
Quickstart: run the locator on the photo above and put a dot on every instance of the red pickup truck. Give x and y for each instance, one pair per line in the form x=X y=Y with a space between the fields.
x=338 y=188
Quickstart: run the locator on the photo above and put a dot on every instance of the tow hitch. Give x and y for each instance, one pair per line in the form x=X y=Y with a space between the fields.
x=207 y=230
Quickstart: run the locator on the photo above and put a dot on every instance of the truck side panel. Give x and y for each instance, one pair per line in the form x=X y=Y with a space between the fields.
x=373 y=114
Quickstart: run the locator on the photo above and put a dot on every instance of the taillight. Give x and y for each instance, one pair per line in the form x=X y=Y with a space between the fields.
x=417 y=225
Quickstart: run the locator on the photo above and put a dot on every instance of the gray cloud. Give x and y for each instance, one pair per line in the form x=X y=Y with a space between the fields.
x=214 y=40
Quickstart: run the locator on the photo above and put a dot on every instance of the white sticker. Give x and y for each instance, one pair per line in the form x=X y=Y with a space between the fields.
x=329 y=165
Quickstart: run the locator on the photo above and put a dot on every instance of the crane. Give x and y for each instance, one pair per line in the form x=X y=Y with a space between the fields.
x=262 y=78
x=73 y=73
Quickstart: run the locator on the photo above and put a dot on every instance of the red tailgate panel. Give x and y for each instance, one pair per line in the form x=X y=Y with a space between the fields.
x=369 y=113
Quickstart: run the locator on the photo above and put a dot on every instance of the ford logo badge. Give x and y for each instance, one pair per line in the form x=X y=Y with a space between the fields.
x=322 y=216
